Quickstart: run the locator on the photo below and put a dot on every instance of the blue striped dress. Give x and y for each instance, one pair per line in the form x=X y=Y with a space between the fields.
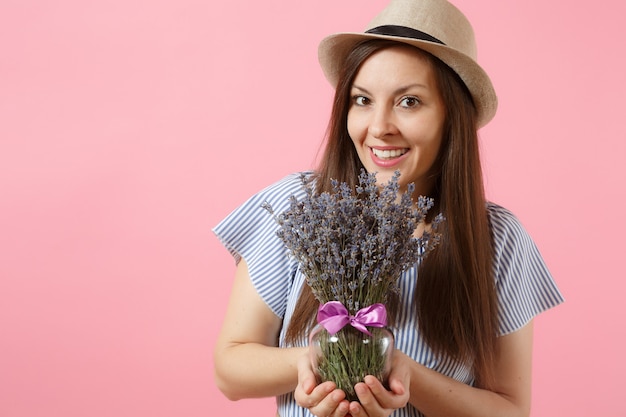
x=524 y=286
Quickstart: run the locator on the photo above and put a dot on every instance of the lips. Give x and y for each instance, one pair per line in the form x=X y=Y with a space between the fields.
x=389 y=157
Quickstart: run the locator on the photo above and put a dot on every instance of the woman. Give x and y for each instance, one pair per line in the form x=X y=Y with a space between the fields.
x=409 y=97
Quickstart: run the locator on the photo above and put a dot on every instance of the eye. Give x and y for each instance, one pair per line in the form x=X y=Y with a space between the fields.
x=409 y=102
x=360 y=100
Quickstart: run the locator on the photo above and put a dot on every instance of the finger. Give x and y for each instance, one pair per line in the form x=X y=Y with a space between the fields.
x=308 y=383
x=333 y=404
x=374 y=384
x=385 y=399
x=357 y=410
x=397 y=386
x=369 y=405
x=310 y=397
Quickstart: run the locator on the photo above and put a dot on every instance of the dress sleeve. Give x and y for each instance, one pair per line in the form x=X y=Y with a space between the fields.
x=524 y=285
x=249 y=232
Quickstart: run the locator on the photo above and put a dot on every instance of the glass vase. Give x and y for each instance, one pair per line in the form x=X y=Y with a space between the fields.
x=349 y=355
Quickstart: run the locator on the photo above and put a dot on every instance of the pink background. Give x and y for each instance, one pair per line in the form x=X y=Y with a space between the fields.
x=129 y=128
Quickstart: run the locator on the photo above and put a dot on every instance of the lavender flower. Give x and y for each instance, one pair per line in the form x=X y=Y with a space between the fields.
x=353 y=245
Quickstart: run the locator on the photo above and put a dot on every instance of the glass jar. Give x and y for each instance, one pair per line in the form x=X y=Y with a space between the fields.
x=349 y=355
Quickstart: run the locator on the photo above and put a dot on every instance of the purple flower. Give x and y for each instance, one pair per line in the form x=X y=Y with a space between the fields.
x=352 y=245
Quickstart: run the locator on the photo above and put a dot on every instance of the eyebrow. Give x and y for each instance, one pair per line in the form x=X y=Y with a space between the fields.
x=398 y=91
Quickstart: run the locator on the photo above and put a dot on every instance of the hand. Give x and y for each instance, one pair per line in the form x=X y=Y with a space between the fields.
x=323 y=400
x=375 y=399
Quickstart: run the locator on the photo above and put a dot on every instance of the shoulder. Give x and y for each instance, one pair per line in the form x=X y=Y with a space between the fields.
x=289 y=184
x=505 y=226
x=515 y=252
x=252 y=213
x=500 y=216
x=512 y=244
x=275 y=196
x=279 y=193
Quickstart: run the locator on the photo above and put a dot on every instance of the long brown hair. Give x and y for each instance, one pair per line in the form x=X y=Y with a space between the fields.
x=455 y=300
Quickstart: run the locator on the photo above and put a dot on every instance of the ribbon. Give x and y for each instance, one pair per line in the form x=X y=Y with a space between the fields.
x=333 y=316
x=403 y=32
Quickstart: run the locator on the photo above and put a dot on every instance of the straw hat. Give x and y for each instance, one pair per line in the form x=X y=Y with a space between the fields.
x=435 y=26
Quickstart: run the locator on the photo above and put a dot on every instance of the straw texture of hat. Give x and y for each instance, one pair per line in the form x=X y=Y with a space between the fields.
x=435 y=26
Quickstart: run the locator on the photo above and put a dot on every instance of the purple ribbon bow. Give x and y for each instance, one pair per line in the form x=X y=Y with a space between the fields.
x=334 y=316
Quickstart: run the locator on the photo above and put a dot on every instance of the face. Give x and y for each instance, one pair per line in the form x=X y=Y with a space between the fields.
x=396 y=116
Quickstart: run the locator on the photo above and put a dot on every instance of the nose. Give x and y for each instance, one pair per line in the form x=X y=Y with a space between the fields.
x=382 y=122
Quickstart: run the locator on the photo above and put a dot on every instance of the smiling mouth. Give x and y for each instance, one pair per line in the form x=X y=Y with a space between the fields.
x=389 y=153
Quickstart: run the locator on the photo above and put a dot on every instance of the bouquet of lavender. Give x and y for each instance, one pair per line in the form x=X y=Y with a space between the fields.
x=352 y=246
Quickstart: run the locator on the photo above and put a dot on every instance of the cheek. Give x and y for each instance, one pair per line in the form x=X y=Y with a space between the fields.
x=427 y=136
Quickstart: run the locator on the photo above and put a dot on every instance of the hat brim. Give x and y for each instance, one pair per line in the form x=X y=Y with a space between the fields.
x=333 y=50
